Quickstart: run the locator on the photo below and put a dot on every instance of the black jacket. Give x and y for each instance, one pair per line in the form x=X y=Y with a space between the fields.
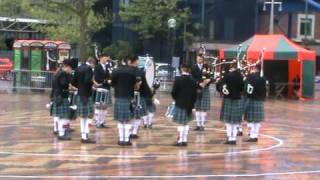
x=61 y=84
x=123 y=81
x=102 y=76
x=83 y=77
x=233 y=81
x=184 y=92
x=259 y=87
x=198 y=74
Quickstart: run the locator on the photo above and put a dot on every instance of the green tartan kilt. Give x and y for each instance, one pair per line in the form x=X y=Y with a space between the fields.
x=142 y=111
x=99 y=96
x=255 y=111
x=181 y=116
x=85 y=110
x=203 y=102
x=151 y=108
x=231 y=111
x=244 y=105
x=62 y=110
x=122 y=110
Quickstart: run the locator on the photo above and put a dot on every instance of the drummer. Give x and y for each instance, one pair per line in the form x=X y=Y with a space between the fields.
x=102 y=80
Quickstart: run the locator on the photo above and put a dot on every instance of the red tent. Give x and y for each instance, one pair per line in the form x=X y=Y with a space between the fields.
x=279 y=48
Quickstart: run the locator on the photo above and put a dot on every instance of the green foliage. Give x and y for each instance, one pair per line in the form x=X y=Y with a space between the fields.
x=150 y=17
x=11 y=8
x=119 y=50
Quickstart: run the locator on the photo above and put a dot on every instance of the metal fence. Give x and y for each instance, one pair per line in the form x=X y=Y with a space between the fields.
x=25 y=79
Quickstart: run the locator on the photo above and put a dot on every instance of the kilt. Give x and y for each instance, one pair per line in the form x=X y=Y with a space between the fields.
x=62 y=110
x=151 y=108
x=139 y=112
x=181 y=116
x=231 y=111
x=122 y=111
x=108 y=100
x=255 y=111
x=85 y=110
x=244 y=105
x=203 y=102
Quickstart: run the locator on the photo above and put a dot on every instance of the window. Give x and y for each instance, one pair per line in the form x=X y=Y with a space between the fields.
x=306 y=26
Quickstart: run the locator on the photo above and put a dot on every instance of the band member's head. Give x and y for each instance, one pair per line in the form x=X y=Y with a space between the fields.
x=185 y=68
x=91 y=62
x=233 y=67
x=255 y=69
x=133 y=61
x=200 y=59
x=104 y=58
x=67 y=65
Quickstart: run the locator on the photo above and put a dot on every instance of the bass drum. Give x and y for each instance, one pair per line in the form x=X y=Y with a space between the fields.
x=147 y=64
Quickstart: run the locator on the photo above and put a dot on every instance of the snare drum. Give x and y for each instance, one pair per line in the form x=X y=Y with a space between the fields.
x=103 y=98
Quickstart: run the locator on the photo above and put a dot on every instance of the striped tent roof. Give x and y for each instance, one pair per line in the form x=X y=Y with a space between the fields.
x=277 y=47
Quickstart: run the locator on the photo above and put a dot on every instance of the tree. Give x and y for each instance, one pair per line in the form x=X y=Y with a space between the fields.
x=119 y=50
x=149 y=18
x=70 y=20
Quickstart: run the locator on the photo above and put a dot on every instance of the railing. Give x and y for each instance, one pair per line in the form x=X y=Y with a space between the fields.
x=34 y=80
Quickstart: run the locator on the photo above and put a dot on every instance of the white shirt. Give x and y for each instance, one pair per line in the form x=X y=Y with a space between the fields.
x=200 y=66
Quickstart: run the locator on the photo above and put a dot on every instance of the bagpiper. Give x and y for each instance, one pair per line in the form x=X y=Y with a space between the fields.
x=124 y=81
x=60 y=103
x=184 y=93
x=231 y=111
x=83 y=81
x=255 y=89
x=199 y=72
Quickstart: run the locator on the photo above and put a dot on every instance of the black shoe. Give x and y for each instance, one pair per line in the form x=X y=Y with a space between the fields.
x=230 y=142
x=55 y=133
x=88 y=141
x=121 y=143
x=197 y=128
x=103 y=126
x=150 y=126
x=233 y=142
x=127 y=143
x=64 y=138
x=145 y=126
x=201 y=128
x=134 y=136
x=239 y=133
x=70 y=130
x=252 y=140
x=184 y=143
x=178 y=144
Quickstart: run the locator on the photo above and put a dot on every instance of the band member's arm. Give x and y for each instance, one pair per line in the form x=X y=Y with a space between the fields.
x=175 y=90
x=63 y=81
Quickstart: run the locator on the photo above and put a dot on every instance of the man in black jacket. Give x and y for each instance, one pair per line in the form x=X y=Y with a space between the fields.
x=231 y=112
x=124 y=81
x=102 y=79
x=83 y=81
x=256 y=93
x=184 y=94
x=60 y=102
x=200 y=73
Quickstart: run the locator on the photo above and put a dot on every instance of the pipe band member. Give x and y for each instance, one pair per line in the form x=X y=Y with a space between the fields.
x=231 y=111
x=184 y=93
x=143 y=92
x=102 y=79
x=60 y=104
x=203 y=102
x=83 y=81
x=124 y=82
x=255 y=89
